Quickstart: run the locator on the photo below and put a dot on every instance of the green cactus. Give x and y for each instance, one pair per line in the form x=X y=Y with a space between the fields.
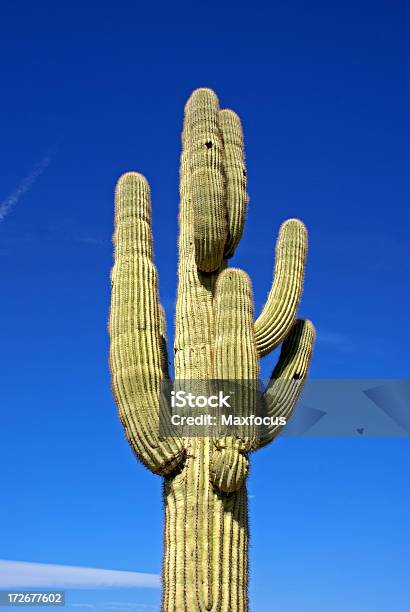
x=205 y=565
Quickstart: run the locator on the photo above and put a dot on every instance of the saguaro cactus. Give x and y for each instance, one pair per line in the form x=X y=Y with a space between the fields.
x=205 y=565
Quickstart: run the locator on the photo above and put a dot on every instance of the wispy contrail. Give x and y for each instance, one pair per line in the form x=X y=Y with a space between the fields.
x=11 y=200
x=43 y=575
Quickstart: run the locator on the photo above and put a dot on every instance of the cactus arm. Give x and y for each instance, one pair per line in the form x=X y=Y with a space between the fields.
x=194 y=326
x=289 y=375
x=235 y=173
x=279 y=312
x=235 y=360
x=235 y=352
x=207 y=179
x=135 y=353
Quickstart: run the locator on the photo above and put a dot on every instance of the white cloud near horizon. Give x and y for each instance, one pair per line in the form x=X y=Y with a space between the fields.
x=128 y=606
x=11 y=200
x=119 y=606
x=44 y=575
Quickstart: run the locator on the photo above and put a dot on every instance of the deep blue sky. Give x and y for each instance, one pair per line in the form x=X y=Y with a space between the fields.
x=323 y=92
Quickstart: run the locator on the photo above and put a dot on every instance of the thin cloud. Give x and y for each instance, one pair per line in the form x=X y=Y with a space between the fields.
x=91 y=240
x=43 y=575
x=336 y=340
x=10 y=201
x=128 y=606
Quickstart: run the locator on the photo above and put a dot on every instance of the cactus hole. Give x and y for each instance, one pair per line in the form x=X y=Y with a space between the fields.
x=296 y=376
x=208 y=144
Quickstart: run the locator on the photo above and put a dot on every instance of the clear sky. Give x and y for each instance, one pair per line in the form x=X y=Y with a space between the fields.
x=90 y=90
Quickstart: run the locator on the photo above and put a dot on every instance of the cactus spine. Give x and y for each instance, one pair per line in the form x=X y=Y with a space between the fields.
x=205 y=565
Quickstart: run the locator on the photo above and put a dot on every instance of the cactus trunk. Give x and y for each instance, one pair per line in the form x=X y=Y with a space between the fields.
x=206 y=540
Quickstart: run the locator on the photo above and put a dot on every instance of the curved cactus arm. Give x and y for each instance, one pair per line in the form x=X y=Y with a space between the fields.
x=279 y=312
x=289 y=375
x=235 y=360
x=135 y=328
x=207 y=182
x=235 y=173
